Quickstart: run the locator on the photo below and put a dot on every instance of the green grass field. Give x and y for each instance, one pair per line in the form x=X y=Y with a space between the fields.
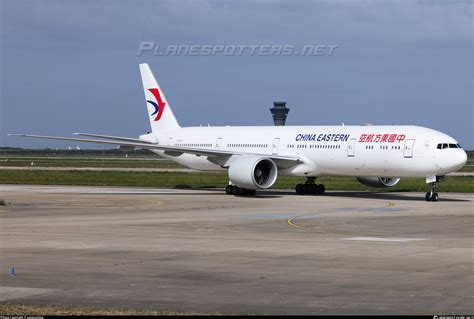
x=50 y=310
x=209 y=180
x=468 y=168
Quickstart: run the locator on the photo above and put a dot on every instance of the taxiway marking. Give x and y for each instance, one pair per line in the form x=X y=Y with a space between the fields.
x=290 y=222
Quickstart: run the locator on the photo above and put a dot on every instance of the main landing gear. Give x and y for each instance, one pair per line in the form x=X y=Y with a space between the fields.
x=310 y=187
x=432 y=196
x=236 y=190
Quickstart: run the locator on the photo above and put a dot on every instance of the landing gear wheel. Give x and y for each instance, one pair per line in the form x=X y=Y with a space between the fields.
x=235 y=190
x=310 y=187
x=432 y=196
x=320 y=189
x=299 y=189
x=428 y=197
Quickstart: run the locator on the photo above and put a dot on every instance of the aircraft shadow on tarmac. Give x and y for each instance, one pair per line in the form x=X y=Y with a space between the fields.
x=366 y=195
x=390 y=196
x=278 y=194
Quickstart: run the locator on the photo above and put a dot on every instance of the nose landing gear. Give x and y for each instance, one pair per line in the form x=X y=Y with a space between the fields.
x=310 y=187
x=432 y=196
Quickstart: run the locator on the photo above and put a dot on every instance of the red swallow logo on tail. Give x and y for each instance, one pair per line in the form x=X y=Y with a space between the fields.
x=159 y=105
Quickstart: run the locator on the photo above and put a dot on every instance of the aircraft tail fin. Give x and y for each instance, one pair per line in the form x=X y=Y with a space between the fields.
x=159 y=111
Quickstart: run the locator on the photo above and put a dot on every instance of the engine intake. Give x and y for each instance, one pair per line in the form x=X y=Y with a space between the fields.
x=253 y=172
x=378 y=181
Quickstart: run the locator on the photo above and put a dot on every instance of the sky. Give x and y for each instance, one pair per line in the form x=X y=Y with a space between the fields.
x=72 y=66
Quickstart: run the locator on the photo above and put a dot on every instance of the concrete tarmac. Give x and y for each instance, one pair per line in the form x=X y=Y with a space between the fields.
x=202 y=250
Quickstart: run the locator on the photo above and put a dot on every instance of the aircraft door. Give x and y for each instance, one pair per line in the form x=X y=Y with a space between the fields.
x=351 y=146
x=276 y=142
x=219 y=143
x=408 y=149
x=170 y=141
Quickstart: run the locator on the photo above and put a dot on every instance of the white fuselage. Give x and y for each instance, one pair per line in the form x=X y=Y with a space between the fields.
x=379 y=151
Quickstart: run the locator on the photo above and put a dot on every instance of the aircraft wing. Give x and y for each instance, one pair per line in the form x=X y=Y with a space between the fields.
x=118 y=138
x=219 y=157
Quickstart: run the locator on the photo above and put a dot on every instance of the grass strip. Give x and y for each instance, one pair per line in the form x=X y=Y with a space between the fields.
x=51 y=310
x=463 y=184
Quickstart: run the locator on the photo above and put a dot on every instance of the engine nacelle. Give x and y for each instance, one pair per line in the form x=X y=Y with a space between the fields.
x=378 y=181
x=253 y=172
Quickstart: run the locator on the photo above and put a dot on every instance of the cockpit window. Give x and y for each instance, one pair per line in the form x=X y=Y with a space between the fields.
x=442 y=146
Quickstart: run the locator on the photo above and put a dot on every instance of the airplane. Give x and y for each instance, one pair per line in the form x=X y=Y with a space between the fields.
x=254 y=156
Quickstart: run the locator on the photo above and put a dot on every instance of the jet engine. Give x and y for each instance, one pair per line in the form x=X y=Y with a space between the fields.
x=378 y=181
x=253 y=172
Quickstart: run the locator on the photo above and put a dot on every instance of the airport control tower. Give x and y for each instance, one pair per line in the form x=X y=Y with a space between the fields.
x=279 y=112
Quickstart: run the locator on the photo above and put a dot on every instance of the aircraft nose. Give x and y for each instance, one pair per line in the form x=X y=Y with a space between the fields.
x=463 y=158
x=460 y=159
